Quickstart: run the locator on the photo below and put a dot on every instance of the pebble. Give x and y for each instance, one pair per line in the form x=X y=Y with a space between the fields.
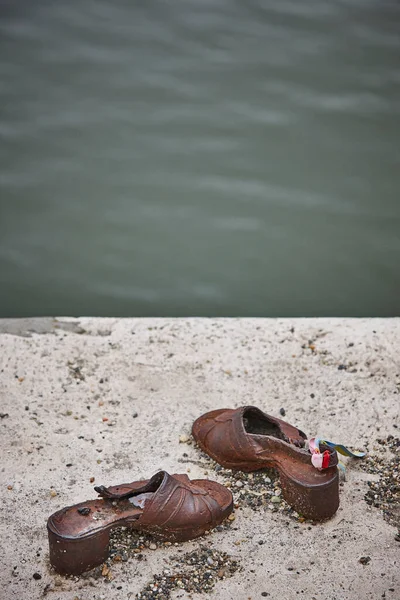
x=238 y=484
x=282 y=412
x=275 y=499
x=153 y=547
x=210 y=561
x=84 y=510
x=183 y=439
x=37 y=576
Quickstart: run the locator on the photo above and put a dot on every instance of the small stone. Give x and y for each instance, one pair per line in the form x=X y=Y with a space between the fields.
x=231 y=518
x=282 y=412
x=135 y=415
x=239 y=484
x=183 y=439
x=275 y=500
x=210 y=561
x=10 y=487
x=84 y=510
x=37 y=576
x=153 y=547
x=364 y=560
x=91 y=480
x=53 y=493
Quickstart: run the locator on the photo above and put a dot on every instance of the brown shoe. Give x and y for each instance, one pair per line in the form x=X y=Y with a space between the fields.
x=170 y=507
x=247 y=439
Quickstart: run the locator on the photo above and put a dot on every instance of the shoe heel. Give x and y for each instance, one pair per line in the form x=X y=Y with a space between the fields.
x=315 y=502
x=75 y=556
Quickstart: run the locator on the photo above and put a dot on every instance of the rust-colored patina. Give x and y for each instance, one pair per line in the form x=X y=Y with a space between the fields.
x=248 y=439
x=170 y=507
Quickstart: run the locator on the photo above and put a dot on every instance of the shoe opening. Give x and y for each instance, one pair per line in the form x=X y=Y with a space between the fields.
x=257 y=424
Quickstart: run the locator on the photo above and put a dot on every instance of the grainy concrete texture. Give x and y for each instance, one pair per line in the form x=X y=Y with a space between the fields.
x=60 y=379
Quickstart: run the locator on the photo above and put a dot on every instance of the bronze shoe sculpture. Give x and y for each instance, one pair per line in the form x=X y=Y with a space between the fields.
x=248 y=439
x=170 y=507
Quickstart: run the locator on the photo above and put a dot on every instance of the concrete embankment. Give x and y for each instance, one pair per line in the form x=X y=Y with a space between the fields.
x=93 y=401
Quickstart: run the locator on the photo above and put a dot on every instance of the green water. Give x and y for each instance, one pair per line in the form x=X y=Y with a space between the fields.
x=199 y=158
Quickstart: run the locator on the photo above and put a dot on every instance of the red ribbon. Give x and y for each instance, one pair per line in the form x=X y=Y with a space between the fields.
x=325 y=459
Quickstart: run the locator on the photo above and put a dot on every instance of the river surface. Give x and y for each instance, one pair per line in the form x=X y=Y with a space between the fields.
x=199 y=157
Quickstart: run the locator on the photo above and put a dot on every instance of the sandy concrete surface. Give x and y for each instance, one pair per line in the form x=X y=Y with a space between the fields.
x=150 y=378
